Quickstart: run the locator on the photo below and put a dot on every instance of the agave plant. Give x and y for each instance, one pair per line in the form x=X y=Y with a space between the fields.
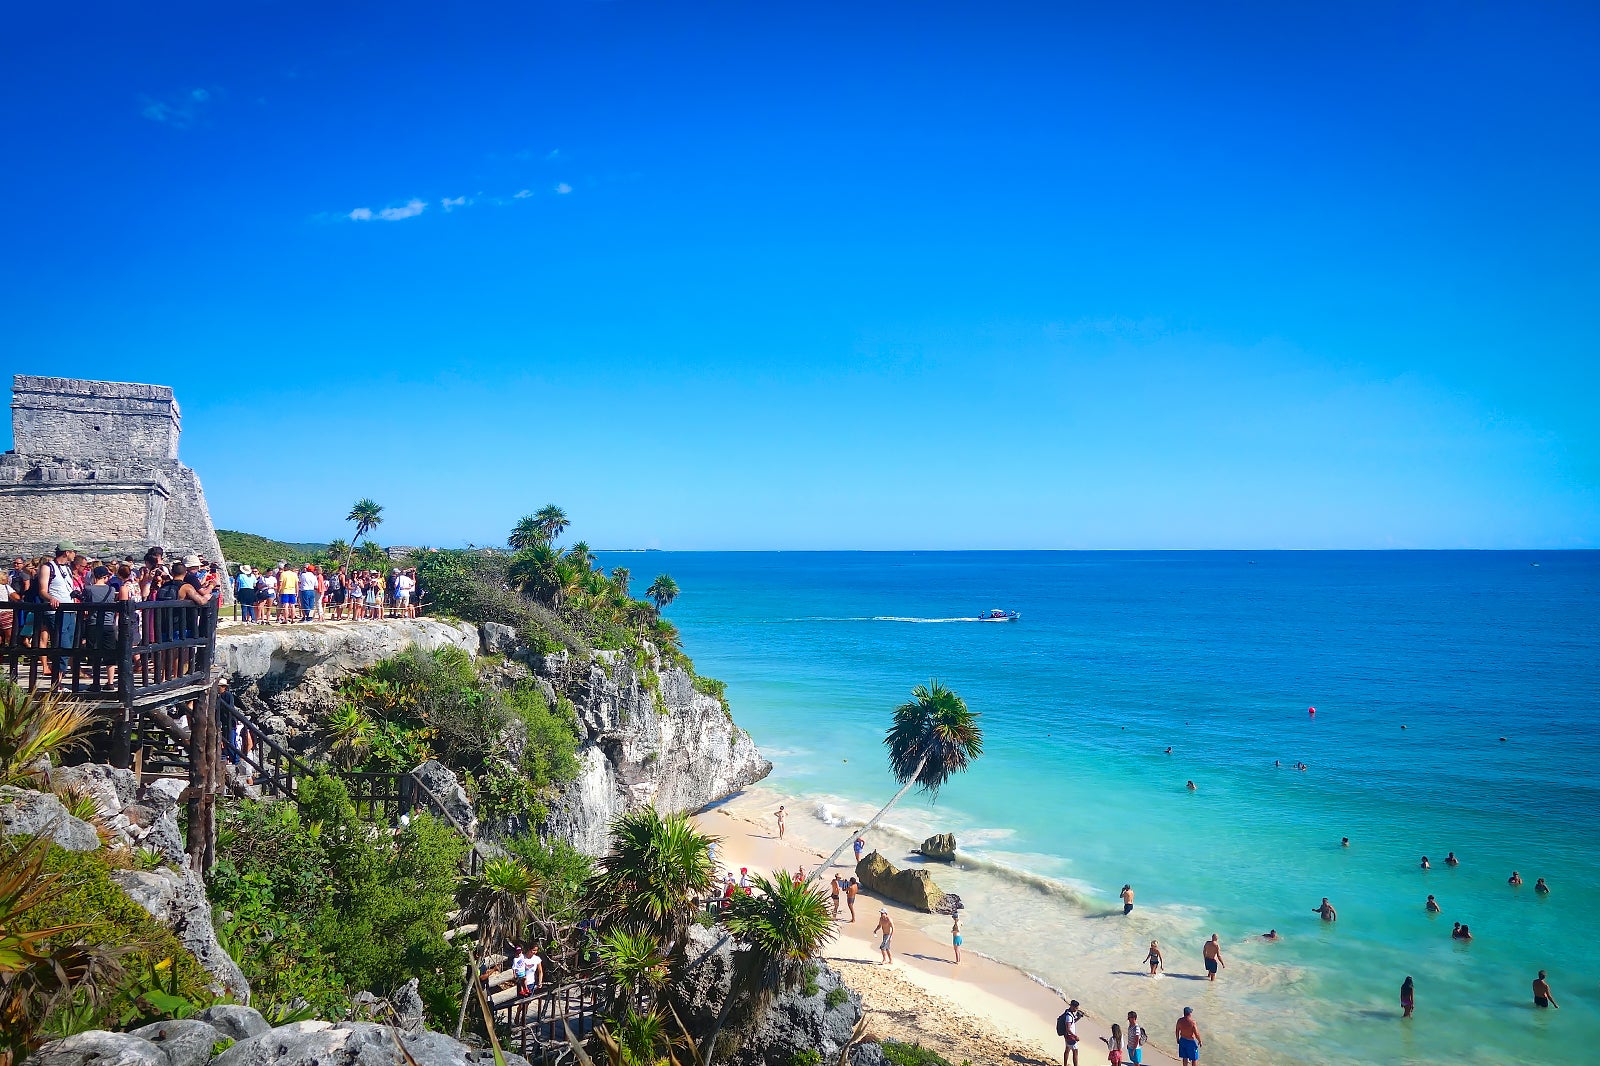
x=41 y=968
x=34 y=726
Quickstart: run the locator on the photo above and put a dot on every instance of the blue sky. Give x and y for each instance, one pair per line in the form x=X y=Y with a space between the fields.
x=843 y=276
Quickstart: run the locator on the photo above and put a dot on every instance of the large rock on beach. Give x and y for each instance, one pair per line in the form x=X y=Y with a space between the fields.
x=914 y=888
x=24 y=812
x=941 y=847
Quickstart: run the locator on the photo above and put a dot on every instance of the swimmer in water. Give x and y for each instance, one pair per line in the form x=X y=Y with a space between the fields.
x=1432 y=905
x=1425 y=864
x=1169 y=751
x=1540 y=887
x=1515 y=879
x=1326 y=911
x=1270 y=934
x=1190 y=785
x=1344 y=842
x=1541 y=993
x=1462 y=933
x=1451 y=860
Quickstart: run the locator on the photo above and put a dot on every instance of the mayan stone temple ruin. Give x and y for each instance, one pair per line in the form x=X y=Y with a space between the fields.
x=96 y=462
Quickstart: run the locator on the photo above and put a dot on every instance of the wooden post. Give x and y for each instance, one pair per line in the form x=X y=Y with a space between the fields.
x=204 y=762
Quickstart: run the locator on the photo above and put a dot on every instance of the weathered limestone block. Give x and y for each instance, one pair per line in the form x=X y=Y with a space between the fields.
x=27 y=813
x=914 y=888
x=941 y=847
x=177 y=899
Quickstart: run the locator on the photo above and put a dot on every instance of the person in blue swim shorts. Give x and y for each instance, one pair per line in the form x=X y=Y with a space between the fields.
x=1188 y=1034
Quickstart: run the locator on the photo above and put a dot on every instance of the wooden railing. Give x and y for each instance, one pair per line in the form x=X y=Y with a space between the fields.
x=129 y=652
x=537 y=1024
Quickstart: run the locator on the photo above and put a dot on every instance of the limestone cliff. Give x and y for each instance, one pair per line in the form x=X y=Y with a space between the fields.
x=647 y=737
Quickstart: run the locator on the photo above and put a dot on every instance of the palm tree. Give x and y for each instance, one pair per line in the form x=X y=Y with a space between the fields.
x=337 y=549
x=581 y=555
x=658 y=867
x=502 y=899
x=371 y=553
x=538 y=572
x=620 y=576
x=933 y=735
x=663 y=590
x=367 y=514
x=633 y=959
x=34 y=726
x=349 y=736
x=552 y=521
x=784 y=923
x=526 y=533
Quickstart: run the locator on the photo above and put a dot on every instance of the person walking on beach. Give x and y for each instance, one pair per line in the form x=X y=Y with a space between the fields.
x=834 y=890
x=1326 y=911
x=1134 y=1037
x=955 y=935
x=1154 y=958
x=850 y=891
x=1188 y=1034
x=781 y=818
x=1408 y=997
x=1541 y=993
x=1127 y=900
x=1067 y=1026
x=885 y=928
x=1213 y=956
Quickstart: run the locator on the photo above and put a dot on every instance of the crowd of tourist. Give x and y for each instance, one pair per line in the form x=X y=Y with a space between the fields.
x=310 y=593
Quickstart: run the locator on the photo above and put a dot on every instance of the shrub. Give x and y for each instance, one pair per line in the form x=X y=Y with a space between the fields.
x=912 y=1055
x=808 y=1057
x=808 y=980
x=837 y=995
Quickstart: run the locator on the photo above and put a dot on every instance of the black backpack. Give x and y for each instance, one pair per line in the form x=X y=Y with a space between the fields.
x=168 y=590
x=1061 y=1023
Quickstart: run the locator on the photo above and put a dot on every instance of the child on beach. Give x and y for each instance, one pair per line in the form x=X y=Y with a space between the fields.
x=1114 y=1045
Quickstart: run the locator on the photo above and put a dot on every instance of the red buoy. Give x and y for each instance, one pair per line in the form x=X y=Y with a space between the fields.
x=1313 y=712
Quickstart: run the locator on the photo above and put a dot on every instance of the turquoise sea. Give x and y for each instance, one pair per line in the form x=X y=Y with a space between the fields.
x=1418 y=664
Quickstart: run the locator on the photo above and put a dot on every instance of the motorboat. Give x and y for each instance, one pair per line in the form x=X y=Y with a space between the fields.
x=997 y=615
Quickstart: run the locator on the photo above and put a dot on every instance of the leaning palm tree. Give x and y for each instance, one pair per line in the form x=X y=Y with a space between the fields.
x=784 y=923
x=501 y=899
x=367 y=514
x=552 y=521
x=35 y=726
x=663 y=590
x=933 y=735
x=658 y=867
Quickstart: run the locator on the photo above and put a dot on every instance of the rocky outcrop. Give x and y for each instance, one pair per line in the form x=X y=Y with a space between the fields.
x=191 y=1043
x=642 y=743
x=794 y=1022
x=27 y=813
x=914 y=888
x=177 y=899
x=278 y=657
x=438 y=779
x=941 y=847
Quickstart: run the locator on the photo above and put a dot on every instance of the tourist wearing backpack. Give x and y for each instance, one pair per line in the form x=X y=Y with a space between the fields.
x=1134 y=1038
x=1067 y=1027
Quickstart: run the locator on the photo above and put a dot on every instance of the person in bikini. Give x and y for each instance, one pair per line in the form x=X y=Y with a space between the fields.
x=1153 y=957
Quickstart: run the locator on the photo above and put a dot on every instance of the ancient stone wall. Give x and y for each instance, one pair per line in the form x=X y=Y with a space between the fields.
x=96 y=462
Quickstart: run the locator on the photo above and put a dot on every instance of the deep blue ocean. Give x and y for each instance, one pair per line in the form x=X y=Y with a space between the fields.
x=1418 y=663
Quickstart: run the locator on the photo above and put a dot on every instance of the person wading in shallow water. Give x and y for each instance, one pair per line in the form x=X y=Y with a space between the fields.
x=1408 y=998
x=1127 y=900
x=1154 y=958
x=1213 y=956
x=1326 y=911
x=1541 y=993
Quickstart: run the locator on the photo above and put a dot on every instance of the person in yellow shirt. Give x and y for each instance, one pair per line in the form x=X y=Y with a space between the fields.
x=288 y=593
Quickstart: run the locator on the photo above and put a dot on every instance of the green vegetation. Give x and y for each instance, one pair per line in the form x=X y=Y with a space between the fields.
x=914 y=1055
x=932 y=736
x=367 y=514
x=34 y=726
x=322 y=907
x=420 y=705
x=263 y=552
x=808 y=1057
x=76 y=953
x=836 y=997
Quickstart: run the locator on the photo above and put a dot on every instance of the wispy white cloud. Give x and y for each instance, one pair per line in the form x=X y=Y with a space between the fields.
x=522 y=194
x=563 y=188
x=179 y=112
x=411 y=209
x=450 y=203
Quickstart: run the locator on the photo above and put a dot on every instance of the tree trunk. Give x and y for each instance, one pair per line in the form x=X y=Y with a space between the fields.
x=202 y=748
x=876 y=818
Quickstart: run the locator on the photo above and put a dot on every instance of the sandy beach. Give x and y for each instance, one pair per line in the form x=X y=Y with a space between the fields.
x=981 y=1010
